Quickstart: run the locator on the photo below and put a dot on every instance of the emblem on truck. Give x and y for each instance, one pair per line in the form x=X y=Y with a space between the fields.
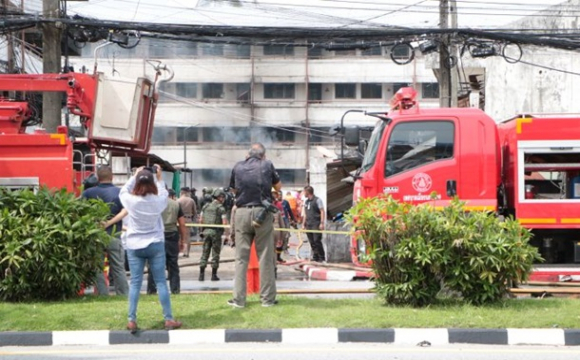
x=422 y=182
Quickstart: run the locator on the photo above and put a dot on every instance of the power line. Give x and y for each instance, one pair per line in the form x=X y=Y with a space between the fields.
x=543 y=66
x=239 y=116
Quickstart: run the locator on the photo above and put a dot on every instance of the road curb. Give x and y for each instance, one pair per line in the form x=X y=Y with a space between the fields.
x=319 y=273
x=420 y=337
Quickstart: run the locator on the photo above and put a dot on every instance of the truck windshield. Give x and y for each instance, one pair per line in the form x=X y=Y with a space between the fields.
x=371 y=153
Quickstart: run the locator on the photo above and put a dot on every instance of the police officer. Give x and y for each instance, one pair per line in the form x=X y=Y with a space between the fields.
x=212 y=214
x=252 y=180
x=189 y=208
x=313 y=219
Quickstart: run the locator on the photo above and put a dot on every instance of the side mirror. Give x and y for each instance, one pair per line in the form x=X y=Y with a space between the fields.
x=362 y=146
x=352 y=136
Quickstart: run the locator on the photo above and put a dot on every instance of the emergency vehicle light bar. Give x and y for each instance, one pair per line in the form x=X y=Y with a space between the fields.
x=405 y=98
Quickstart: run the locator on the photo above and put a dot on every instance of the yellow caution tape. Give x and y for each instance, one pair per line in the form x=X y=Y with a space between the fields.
x=278 y=229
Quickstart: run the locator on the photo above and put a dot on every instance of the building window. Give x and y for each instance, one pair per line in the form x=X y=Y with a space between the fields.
x=236 y=135
x=279 y=50
x=185 y=48
x=278 y=91
x=416 y=143
x=243 y=93
x=349 y=52
x=292 y=177
x=160 y=49
x=215 y=177
x=397 y=86
x=212 y=134
x=243 y=51
x=212 y=49
x=314 y=92
x=320 y=135
x=430 y=90
x=212 y=91
x=345 y=91
x=314 y=52
x=270 y=135
x=186 y=90
x=371 y=91
x=282 y=135
x=167 y=90
x=374 y=51
x=164 y=135
x=401 y=52
x=191 y=134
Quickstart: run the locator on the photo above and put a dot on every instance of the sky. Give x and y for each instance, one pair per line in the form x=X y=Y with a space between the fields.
x=309 y=13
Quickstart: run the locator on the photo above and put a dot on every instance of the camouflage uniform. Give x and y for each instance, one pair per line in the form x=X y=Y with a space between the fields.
x=212 y=214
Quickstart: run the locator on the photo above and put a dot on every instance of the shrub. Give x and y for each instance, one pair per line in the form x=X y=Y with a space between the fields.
x=51 y=244
x=415 y=251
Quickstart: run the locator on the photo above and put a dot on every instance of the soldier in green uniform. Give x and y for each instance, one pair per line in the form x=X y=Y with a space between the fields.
x=212 y=213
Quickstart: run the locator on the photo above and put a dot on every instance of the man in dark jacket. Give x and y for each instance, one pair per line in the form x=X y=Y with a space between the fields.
x=253 y=180
x=313 y=219
x=109 y=193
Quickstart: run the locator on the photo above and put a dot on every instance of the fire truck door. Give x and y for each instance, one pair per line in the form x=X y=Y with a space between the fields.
x=421 y=160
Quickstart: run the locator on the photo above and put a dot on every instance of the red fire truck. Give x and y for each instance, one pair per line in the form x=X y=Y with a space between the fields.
x=114 y=114
x=527 y=167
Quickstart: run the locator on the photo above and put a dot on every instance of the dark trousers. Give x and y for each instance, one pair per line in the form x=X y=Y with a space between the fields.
x=171 y=255
x=315 y=240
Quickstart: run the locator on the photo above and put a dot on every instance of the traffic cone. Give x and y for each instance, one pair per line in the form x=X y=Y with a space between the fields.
x=253 y=274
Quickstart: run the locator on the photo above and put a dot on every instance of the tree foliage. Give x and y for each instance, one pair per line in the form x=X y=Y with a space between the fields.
x=415 y=251
x=51 y=243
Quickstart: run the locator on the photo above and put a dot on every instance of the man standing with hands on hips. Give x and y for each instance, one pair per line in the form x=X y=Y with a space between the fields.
x=313 y=219
x=253 y=180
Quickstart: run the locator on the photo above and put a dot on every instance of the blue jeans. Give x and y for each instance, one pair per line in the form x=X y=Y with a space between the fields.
x=155 y=255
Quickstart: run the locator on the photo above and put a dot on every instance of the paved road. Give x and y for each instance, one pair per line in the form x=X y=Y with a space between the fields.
x=290 y=277
x=293 y=351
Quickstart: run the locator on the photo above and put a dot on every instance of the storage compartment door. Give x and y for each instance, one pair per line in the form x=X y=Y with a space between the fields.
x=124 y=114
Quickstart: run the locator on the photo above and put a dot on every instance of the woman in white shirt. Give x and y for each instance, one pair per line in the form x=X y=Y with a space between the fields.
x=144 y=198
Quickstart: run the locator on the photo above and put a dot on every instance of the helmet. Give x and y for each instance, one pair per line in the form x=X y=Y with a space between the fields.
x=218 y=192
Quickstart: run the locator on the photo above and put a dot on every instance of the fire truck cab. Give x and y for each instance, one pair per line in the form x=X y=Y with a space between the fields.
x=415 y=152
x=527 y=167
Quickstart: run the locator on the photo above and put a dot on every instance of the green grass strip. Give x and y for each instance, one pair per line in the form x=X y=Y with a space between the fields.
x=212 y=312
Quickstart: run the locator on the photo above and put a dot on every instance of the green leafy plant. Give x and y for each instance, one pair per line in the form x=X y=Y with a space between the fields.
x=416 y=251
x=51 y=244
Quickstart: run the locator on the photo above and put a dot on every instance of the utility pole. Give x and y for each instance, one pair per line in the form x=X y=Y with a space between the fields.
x=6 y=6
x=453 y=52
x=444 y=53
x=22 y=44
x=51 y=54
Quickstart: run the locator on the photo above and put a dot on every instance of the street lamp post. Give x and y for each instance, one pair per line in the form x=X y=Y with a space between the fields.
x=185 y=151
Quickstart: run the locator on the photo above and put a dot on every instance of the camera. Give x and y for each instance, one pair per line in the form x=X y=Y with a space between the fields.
x=152 y=169
x=261 y=215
